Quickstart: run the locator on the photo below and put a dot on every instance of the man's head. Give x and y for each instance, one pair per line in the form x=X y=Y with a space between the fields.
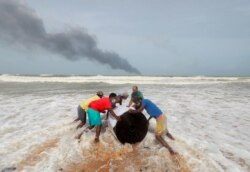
x=113 y=98
x=99 y=94
x=135 y=88
x=124 y=95
x=137 y=101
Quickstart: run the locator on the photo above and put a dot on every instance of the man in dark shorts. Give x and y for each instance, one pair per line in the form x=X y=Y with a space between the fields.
x=94 y=110
x=83 y=107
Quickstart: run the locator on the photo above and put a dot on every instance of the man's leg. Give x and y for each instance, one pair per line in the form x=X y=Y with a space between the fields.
x=160 y=129
x=81 y=116
x=79 y=135
x=165 y=144
x=168 y=134
x=77 y=119
x=85 y=130
x=98 y=131
x=95 y=119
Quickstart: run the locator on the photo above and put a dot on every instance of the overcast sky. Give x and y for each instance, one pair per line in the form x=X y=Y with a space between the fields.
x=112 y=37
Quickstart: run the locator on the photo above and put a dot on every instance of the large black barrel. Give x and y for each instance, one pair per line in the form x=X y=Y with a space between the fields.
x=132 y=128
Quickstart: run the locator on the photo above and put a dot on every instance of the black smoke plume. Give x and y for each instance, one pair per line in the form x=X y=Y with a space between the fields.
x=21 y=25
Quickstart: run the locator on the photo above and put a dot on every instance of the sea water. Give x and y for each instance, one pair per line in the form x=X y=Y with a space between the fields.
x=208 y=116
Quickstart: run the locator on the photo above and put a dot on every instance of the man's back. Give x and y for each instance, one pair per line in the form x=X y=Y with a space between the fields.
x=85 y=103
x=151 y=108
x=136 y=94
x=101 y=104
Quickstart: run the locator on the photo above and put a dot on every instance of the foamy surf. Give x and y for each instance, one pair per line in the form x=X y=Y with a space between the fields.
x=69 y=155
x=124 y=79
x=210 y=122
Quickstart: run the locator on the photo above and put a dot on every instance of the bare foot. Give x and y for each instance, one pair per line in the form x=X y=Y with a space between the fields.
x=170 y=136
x=90 y=127
x=96 y=140
x=172 y=152
x=78 y=136
x=77 y=119
x=80 y=125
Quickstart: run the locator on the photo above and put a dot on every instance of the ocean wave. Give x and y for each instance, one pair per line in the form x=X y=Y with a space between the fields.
x=159 y=80
x=210 y=124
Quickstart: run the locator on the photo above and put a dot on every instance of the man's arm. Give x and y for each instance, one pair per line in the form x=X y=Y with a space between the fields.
x=149 y=118
x=138 y=110
x=114 y=115
x=140 y=94
x=130 y=102
x=107 y=114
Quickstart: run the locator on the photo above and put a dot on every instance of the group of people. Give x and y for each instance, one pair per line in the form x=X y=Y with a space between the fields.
x=100 y=104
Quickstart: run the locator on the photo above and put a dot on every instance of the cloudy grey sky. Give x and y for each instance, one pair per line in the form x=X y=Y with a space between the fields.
x=111 y=37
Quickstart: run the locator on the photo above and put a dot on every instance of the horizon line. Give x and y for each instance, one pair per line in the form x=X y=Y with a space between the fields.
x=162 y=75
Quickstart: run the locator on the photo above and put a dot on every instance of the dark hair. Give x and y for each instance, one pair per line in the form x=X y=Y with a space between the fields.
x=137 y=99
x=111 y=95
x=99 y=93
x=135 y=86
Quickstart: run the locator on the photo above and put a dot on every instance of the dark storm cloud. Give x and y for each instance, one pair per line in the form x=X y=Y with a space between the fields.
x=20 y=24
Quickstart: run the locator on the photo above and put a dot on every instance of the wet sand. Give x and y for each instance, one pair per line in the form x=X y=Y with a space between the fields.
x=36 y=154
x=126 y=158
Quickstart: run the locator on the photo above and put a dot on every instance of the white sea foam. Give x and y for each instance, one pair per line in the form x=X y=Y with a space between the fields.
x=210 y=122
x=123 y=79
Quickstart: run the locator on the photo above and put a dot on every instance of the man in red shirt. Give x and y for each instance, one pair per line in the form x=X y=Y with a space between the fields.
x=97 y=106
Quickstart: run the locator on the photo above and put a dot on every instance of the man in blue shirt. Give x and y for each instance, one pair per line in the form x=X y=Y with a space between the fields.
x=156 y=113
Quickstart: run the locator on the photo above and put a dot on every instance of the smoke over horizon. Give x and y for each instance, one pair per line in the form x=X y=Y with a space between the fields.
x=20 y=24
